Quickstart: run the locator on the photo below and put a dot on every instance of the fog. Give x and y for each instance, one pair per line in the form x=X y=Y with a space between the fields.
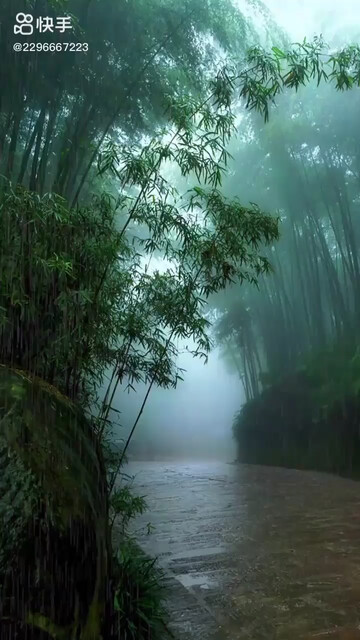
x=192 y=421
x=195 y=420
x=304 y=18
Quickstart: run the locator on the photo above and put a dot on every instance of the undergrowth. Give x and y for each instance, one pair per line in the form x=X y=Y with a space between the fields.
x=139 y=593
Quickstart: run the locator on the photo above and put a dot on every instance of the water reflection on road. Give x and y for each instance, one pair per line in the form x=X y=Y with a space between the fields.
x=254 y=552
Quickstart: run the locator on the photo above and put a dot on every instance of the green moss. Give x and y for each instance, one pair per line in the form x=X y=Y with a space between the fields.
x=54 y=506
x=53 y=440
x=44 y=624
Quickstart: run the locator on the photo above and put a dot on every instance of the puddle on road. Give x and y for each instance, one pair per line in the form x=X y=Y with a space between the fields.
x=199 y=553
x=196 y=580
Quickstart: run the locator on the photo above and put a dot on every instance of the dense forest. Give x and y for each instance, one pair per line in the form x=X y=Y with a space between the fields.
x=89 y=144
x=295 y=339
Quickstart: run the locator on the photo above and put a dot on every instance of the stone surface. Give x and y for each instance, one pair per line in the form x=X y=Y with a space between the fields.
x=254 y=552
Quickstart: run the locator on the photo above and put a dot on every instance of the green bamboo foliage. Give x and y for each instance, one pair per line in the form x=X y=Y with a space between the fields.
x=78 y=296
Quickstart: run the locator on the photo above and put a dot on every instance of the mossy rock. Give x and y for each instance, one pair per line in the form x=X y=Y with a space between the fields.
x=54 y=544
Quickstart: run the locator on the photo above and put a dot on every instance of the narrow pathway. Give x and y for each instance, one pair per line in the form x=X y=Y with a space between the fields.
x=254 y=552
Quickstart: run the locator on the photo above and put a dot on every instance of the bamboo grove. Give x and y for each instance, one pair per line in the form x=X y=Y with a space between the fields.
x=296 y=336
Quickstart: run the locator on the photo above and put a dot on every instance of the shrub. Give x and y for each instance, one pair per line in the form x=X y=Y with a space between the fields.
x=307 y=419
x=139 y=613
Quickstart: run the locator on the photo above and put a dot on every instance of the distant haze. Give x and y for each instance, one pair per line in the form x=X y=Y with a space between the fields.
x=193 y=421
x=299 y=18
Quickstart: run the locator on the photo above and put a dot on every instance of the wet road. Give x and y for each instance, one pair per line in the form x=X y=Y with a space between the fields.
x=254 y=552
